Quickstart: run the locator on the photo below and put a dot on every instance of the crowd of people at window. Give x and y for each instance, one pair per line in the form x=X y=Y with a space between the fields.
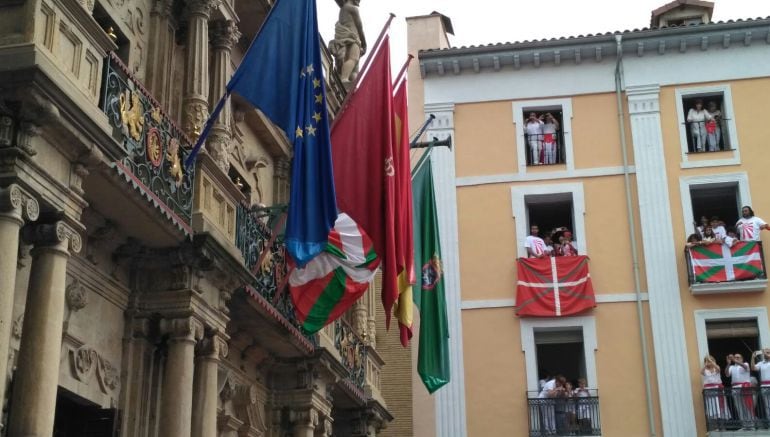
x=747 y=402
x=705 y=125
x=566 y=408
x=542 y=139
x=557 y=242
x=712 y=231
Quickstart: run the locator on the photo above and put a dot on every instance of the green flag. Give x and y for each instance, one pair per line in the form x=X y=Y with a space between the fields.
x=433 y=355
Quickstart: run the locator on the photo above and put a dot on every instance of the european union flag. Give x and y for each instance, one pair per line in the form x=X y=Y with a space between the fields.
x=282 y=75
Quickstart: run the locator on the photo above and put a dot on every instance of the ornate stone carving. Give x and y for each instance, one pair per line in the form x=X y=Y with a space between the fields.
x=250 y=409
x=359 y=319
x=18 y=324
x=196 y=114
x=184 y=329
x=86 y=362
x=76 y=295
x=162 y=8
x=107 y=375
x=219 y=147
x=349 y=42
x=213 y=347
x=308 y=417
x=53 y=235
x=6 y=130
x=19 y=202
x=202 y=7
x=223 y=34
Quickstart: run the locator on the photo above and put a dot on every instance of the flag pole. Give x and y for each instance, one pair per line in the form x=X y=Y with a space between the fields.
x=362 y=71
x=402 y=74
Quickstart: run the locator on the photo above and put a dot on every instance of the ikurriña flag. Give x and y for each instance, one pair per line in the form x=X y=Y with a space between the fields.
x=554 y=286
x=282 y=75
x=720 y=263
x=365 y=167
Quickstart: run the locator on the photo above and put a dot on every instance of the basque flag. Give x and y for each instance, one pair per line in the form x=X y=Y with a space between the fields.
x=554 y=286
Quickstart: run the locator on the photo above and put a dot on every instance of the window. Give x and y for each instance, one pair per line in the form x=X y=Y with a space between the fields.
x=549 y=143
x=550 y=212
x=78 y=417
x=715 y=200
x=707 y=132
x=561 y=351
x=107 y=24
x=726 y=330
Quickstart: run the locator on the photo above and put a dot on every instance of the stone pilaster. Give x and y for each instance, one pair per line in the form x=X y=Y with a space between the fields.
x=304 y=422
x=211 y=350
x=674 y=385
x=281 y=180
x=37 y=378
x=224 y=34
x=196 y=83
x=16 y=206
x=161 y=52
x=177 y=389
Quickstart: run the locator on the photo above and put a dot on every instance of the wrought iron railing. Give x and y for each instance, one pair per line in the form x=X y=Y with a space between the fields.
x=564 y=415
x=714 y=263
x=352 y=352
x=156 y=148
x=705 y=136
x=731 y=409
x=545 y=149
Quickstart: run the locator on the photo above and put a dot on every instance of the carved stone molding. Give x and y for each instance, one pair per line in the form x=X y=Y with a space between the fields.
x=223 y=34
x=76 y=295
x=19 y=203
x=219 y=146
x=202 y=7
x=249 y=408
x=213 y=347
x=305 y=417
x=87 y=362
x=53 y=235
x=196 y=112
x=183 y=329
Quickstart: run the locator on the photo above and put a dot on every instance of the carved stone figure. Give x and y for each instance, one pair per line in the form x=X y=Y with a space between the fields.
x=349 y=42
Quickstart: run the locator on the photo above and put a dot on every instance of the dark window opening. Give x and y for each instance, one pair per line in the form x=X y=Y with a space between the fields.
x=544 y=143
x=78 y=417
x=715 y=200
x=113 y=31
x=560 y=352
x=551 y=213
x=707 y=129
x=729 y=337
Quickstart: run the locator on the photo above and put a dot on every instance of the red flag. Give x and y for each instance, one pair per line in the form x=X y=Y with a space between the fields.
x=364 y=166
x=554 y=286
x=403 y=201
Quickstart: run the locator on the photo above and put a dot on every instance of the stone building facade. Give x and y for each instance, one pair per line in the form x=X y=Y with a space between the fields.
x=139 y=298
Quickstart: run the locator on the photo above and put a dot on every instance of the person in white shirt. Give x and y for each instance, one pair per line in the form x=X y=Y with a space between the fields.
x=550 y=145
x=713 y=128
x=749 y=225
x=534 y=244
x=731 y=238
x=714 y=391
x=763 y=367
x=584 y=407
x=547 y=410
x=533 y=128
x=718 y=227
x=740 y=377
x=696 y=119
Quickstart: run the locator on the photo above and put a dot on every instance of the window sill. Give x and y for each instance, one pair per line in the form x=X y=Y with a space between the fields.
x=755 y=285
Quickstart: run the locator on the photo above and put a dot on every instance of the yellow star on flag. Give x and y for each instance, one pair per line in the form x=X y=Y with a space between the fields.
x=317 y=117
x=316 y=83
x=298 y=132
x=319 y=98
x=310 y=130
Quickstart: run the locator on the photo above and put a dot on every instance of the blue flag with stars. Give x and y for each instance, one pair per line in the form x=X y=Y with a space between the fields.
x=282 y=75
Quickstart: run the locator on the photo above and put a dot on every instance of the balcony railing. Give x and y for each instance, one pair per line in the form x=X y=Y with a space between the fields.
x=155 y=147
x=732 y=409
x=713 y=268
x=704 y=136
x=545 y=149
x=564 y=415
x=353 y=352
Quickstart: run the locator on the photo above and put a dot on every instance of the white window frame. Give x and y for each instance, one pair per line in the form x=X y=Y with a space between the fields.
x=585 y=323
x=732 y=132
x=519 y=207
x=703 y=316
x=566 y=127
x=686 y=182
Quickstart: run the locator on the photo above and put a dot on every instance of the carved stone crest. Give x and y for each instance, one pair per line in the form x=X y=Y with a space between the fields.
x=86 y=362
x=76 y=295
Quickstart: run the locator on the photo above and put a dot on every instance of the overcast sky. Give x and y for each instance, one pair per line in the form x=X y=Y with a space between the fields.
x=491 y=21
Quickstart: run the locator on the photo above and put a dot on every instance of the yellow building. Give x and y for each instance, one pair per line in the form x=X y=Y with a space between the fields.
x=628 y=177
x=139 y=298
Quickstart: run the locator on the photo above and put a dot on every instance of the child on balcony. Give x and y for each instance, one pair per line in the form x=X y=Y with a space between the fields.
x=713 y=127
x=549 y=139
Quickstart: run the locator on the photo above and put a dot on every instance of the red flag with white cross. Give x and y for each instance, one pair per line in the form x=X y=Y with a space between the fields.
x=554 y=286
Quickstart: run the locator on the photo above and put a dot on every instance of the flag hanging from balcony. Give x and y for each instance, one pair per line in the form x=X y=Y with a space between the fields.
x=433 y=352
x=331 y=282
x=554 y=286
x=282 y=75
x=403 y=219
x=364 y=166
x=719 y=263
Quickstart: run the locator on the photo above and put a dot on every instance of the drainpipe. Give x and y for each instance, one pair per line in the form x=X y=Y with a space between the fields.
x=632 y=227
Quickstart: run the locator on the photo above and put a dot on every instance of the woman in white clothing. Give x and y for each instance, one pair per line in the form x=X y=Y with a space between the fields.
x=714 y=394
x=550 y=145
x=534 y=131
x=696 y=119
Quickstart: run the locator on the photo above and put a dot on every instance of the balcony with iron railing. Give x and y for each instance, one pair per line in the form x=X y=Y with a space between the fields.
x=563 y=415
x=737 y=411
x=545 y=149
x=717 y=268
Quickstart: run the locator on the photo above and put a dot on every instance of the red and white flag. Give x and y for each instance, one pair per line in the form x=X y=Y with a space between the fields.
x=554 y=286
x=719 y=263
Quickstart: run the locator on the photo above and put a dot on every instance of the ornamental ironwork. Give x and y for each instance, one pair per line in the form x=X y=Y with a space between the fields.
x=155 y=146
x=352 y=352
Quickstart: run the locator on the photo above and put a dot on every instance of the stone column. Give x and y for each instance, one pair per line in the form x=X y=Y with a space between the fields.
x=304 y=422
x=206 y=391
x=224 y=34
x=177 y=389
x=16 y=205
x=161 y=52
x=196 y=81
x=37 y=378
